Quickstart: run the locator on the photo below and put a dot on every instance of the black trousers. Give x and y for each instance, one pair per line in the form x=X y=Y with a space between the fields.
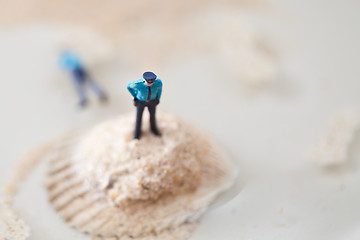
x=140 y=106
x=81 y=77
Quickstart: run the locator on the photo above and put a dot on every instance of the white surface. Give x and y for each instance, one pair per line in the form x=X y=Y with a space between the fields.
x=268 y=132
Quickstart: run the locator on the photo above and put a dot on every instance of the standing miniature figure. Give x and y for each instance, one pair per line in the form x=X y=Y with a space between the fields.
x=70 y=62
x=146 y=92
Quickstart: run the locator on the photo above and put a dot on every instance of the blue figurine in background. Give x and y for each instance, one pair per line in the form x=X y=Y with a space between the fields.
x=146 y=92
x=70 y=62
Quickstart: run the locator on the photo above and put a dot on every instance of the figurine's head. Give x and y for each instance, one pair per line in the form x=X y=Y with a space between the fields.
x=149 y=77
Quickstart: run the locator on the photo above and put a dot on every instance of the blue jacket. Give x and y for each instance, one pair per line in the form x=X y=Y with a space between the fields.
x=69 y=61
x=140 y=91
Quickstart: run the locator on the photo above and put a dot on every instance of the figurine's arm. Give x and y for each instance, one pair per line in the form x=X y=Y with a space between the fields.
x=159 y=91
x=131 y=86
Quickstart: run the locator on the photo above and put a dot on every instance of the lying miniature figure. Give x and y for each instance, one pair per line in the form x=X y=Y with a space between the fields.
x=80 y=77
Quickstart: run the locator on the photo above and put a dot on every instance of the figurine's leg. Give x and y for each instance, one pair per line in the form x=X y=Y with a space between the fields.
x=79 y=87
x=153 y=127
x=97 y=90
x=139 y=112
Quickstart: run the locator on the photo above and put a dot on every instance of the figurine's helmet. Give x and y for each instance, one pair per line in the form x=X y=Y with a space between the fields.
x=149 y=77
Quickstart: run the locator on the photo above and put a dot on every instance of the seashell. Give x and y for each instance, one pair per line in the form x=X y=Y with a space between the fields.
x=105 y=183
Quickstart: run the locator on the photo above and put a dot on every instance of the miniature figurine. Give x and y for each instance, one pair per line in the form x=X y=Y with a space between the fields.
x=70 y=62
x=146 y=92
